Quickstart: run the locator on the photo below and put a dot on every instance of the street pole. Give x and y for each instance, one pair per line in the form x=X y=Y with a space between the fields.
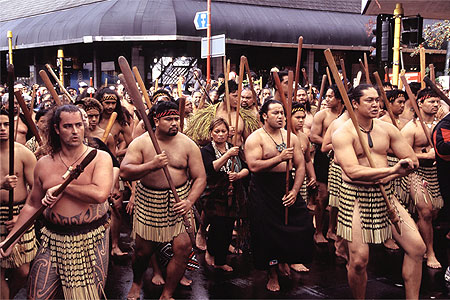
x=208 y=34
x=398 y=12
x=61 y=66
x=9 y=36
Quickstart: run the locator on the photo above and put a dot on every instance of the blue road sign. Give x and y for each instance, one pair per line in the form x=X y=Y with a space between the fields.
x=201 y=20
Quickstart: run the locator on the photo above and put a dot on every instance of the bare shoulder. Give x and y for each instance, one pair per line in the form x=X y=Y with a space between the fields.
x=410 y=127
x=187 y=143
x=254 y=137
x=385 y=125
x=343 y=131
x=321 y=114
x=103 y=157
x=23 y=153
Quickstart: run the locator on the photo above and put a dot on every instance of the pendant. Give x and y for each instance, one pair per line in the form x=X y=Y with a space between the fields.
x=69 y=170
x=281 y=147
x=369 y=140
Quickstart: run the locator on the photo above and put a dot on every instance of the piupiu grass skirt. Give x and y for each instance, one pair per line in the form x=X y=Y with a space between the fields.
x=154 y=218
x=375 y=224
x=334 y=184
x=25 y=249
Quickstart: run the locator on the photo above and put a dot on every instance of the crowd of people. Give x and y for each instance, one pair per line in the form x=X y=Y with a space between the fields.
x=225 y=165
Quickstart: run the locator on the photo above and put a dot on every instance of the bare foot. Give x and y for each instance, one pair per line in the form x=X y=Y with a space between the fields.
x=284 y=269
x=433 y=263
x=319 y=238
x=115 y=251
x=272 y=284
x=234 y=250
x=299 y=268
x=226 y=268
x=157 y=279
x=331 y=235
x=209 y=259
x=200 y=241
x=391 y=244
x=135 y=292
x=185 y=282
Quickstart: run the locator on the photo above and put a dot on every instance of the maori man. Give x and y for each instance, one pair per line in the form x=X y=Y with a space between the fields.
x=23 y=133
x=397 y=99
x=321 y=121
x=302 y=98
x=422 y=187
x=274 y=244
x=157 y=218
x=76 y=218
x=362 y=218
x=17 y=265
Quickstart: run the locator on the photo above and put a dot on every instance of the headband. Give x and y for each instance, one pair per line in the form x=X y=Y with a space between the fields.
x=159 y=94
x=426 y=96
x=109 y=97
x=170 y=112
x=294 y=110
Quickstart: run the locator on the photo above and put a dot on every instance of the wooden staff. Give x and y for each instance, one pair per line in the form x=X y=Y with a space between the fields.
x=361 y=64
x=50 y=87
x=400 y=83
x=392 y=214
x=305 y=76
x=238 y=105
x=277 y=81
x=227 y=92
x=288 y=138
x=386 y=74
x=205 y=92
x=106 y=82
x=366 y=69
x=156 y=84
x=250 y=79
x=61 y=85
x=108 y=128
x=137 y=100
x=28 y=117
x=432 y=73
x=179 y=87
x=142 y=86
x=11 y=135
x=322 y=90
x=74 y=174
x=358 y=79
x=182 y=108
x=422 y=66
x=344 y=74
x=297 y=64
x=412 y=99
x=16 y=129
x=441 y=94
x=387 y=104
x=330 y=82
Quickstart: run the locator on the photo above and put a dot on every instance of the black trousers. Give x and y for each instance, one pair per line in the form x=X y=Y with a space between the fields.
x=219 y=238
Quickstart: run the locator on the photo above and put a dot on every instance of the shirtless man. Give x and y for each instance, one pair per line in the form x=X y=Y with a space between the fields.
x=427 y=198
x=184 y=161
x=362 y=203
x=274 y=244
x=397 y=99
x=78 y=216
x=302 y=97
x=20 y=124
x=16 y=267
x=199 y=124
x=321 y=121
x=248 y=101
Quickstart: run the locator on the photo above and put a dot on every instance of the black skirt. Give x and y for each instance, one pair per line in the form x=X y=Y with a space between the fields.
x=272 y=241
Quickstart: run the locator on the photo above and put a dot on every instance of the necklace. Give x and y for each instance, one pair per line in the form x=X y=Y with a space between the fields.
x=369 y=138
x=430 y=124
x=280 y=147
x=70 y=168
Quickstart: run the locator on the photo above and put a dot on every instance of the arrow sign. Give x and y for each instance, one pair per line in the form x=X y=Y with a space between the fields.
x=201 y=20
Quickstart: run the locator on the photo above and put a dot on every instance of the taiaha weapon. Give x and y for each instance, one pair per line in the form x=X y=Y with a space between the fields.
x=142 y=87
x=387 y=104
x=33 y=97
x=344 y=74
x=238 y=104
x=322 y=89
x=422 y=66
x=392 y=214
x=179 y=87
x=227 y=92
x=330 y=82
x=277 y=81
x=432 y=73
x=136 y=98
x=182 y=108
x=358 y=79
x=110 y=124
x=11 y=135
x=297 y=64
x=61 y=85
x=106 y=82
x=28 y=117
x=434 y=87
x=366 y=69
x=288 y=138
x=74 y=174
x=250 y=79
x=412 y=99
x=305 y=76
x=50 y=87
